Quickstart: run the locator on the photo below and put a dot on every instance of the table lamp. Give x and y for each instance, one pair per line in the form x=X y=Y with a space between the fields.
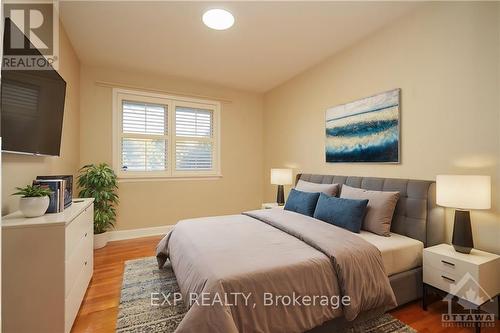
x=281 y=177
x=463 y=192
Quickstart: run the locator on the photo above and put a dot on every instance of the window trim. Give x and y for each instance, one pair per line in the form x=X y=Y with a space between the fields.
x=170 y=101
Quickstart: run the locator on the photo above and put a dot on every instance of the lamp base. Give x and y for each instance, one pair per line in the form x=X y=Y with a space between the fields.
x=280 y=197
x=462 y=239
x=462 y=249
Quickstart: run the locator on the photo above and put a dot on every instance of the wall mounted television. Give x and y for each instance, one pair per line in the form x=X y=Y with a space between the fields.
x=32 y=105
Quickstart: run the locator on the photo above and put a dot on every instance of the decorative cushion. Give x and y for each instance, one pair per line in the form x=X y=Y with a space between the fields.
x=301 y=202
x=344 y=213
x=380 y=209
x=330 y=189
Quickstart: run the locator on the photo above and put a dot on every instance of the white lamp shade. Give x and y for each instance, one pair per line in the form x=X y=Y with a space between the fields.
x=281 y=176
x=463 y=191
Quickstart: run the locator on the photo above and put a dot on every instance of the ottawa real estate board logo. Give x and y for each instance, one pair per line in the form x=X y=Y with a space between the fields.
x=31 y=35
x=471 y=298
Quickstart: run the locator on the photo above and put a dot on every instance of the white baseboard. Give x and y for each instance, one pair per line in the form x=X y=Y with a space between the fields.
x=137 y=233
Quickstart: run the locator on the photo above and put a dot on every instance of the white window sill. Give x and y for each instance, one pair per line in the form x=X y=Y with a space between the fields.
x=135 y=179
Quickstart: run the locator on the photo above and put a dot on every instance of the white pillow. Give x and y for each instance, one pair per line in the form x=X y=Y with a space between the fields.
x=329 y=189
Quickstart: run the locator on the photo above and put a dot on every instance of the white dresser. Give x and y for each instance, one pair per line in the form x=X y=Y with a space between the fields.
x=47 y=264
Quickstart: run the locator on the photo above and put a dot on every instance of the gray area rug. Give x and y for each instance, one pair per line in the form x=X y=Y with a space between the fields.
x=142 y=278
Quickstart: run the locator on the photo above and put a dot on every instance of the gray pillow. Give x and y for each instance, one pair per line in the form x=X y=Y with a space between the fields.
x=329 y=189
x=380 y=209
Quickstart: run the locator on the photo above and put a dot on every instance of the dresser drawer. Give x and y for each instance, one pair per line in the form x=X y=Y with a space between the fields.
x=78 y=229
x=79 y=259
x=77 y=292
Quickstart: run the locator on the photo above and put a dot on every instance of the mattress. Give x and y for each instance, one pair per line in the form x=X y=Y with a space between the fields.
x=399 y=253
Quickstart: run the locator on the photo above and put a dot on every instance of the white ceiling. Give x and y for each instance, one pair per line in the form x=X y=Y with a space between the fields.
x=269 y=43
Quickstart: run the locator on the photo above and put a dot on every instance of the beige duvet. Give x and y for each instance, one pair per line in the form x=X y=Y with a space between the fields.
x=272 y=271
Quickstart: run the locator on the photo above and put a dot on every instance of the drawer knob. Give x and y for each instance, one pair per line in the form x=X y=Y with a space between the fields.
x=85 y=263
x=448 y=279
x=85 y=235
x=448 y=263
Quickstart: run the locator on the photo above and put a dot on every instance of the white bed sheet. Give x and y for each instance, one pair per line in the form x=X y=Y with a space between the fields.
x=399 y=253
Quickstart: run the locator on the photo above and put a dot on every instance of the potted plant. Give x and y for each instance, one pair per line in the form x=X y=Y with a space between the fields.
x=99 y=182
x=34 y=201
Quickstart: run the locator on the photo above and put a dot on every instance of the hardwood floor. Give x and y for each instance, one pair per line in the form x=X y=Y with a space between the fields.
x=430 y=321
x=100 y=306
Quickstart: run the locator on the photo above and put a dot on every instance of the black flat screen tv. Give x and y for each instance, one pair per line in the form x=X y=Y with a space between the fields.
x=32 y=105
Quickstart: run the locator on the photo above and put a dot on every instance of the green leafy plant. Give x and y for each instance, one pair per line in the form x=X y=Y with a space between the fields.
x=99 y=182
x=32 y=191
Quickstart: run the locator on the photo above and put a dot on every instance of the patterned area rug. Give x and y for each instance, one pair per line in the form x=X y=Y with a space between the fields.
x=142 y=278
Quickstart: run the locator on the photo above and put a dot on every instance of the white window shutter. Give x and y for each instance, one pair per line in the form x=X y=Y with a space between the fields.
x=194 y=146
x=144 y=154
x=144 y=141
x=193 y=122
x=193 y=155
x=144 y=118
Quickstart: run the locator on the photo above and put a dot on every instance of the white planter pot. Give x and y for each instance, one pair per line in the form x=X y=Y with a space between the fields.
x=34 y=207
x=100 y=240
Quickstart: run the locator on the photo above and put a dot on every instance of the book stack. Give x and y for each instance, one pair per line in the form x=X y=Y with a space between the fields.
x=57 y=187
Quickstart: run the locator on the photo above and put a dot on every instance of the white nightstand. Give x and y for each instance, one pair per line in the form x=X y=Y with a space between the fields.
x=269 y=205
x=473 y=278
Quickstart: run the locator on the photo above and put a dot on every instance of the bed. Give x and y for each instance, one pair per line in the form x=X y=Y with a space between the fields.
x=279 y=253
x=399 y=253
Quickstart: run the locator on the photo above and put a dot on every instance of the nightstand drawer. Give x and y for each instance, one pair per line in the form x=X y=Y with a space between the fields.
x=439 y=279
x=459 y=286
x=449 y=265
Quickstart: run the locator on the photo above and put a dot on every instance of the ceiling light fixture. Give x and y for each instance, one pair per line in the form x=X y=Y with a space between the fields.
x=218 y=19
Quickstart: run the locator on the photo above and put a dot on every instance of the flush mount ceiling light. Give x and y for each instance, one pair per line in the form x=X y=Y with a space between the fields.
x=218 y=19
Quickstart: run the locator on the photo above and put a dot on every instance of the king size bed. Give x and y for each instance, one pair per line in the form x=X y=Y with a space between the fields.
x=276 y=270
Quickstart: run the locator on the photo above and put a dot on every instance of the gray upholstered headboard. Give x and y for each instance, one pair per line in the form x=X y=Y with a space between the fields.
x=416 y=215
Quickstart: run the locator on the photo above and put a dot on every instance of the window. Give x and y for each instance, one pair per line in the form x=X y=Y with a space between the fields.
x=144 y=139
x=164 y=136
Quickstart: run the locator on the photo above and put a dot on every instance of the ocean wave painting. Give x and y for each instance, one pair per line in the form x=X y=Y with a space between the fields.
x=366 y=130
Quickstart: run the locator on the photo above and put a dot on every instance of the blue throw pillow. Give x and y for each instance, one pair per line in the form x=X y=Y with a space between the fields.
x=344 y=213
x=302 y=202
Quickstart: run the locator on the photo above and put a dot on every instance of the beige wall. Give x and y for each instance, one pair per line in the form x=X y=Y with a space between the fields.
x=445 y=58
x=20 y=170
x=156 y=203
